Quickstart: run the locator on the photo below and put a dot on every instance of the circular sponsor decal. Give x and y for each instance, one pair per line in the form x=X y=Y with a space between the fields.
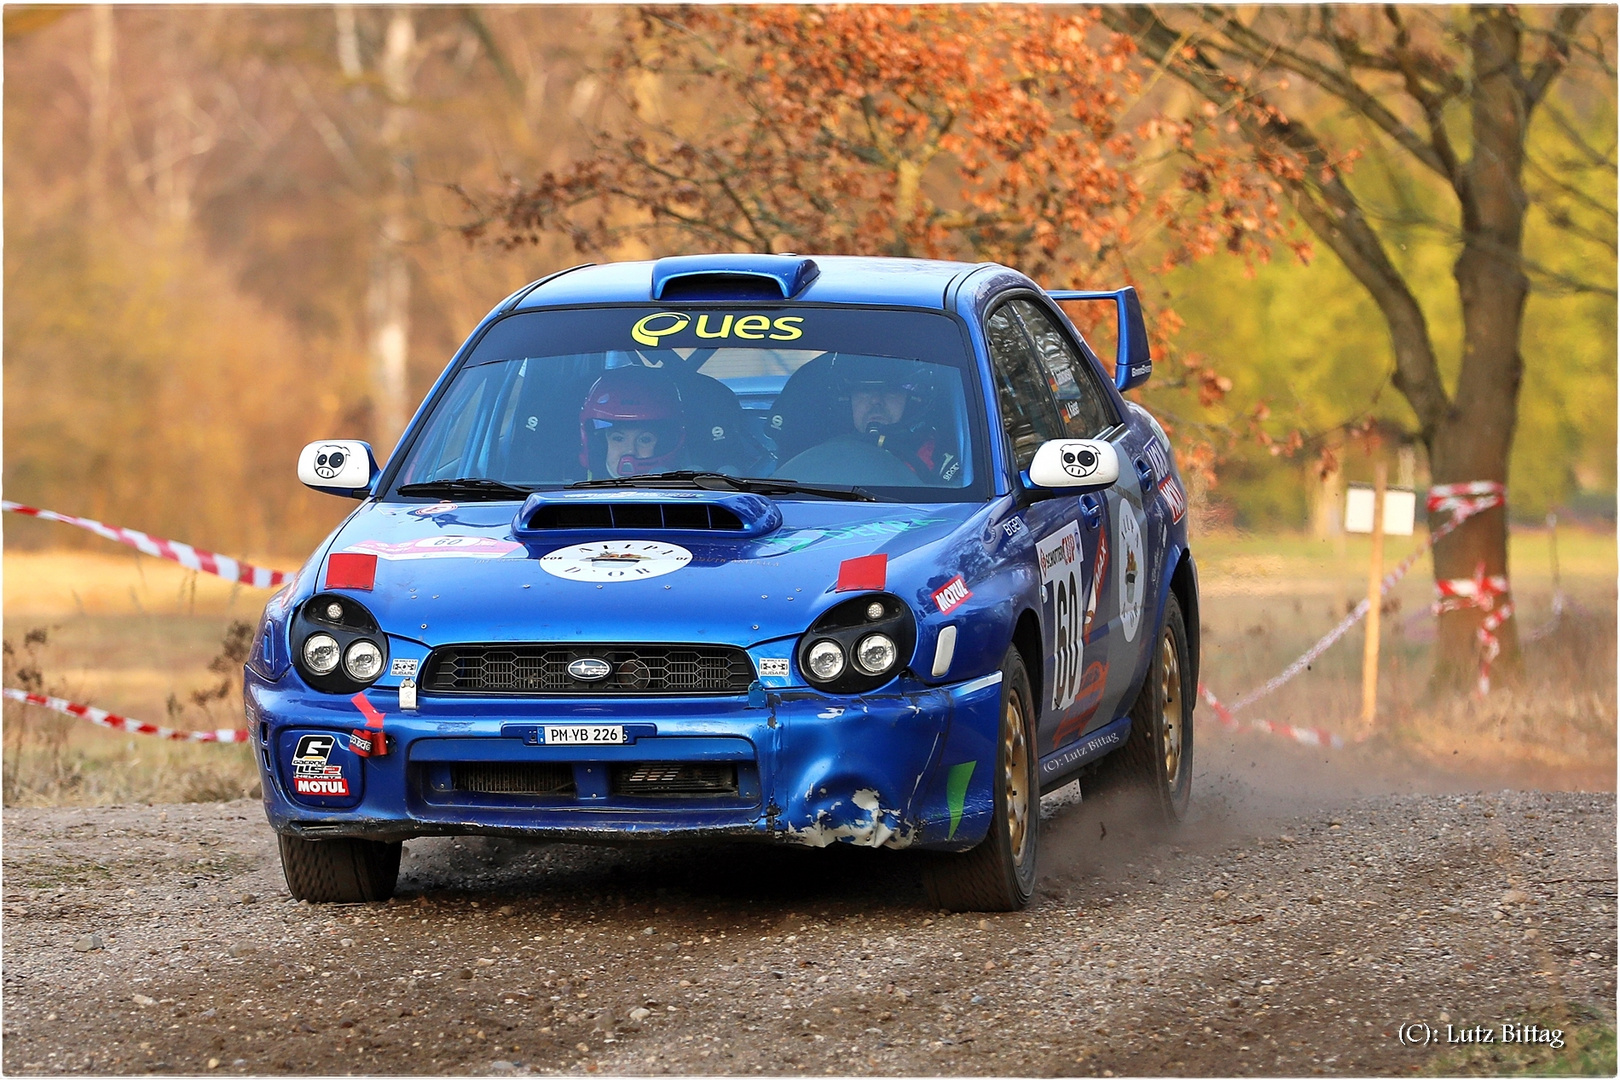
x=615 y=560
x=1132 y=570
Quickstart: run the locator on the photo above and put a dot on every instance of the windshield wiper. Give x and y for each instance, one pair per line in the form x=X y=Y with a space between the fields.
x=714 y=481
x=468 y=487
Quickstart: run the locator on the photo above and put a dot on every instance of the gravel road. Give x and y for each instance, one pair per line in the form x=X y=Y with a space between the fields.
x=1305 y=912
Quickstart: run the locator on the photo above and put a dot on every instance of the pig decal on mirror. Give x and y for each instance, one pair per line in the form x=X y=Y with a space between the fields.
x=338 y=466
x=1079 y=460
x=328 y=460
x=1072 y=463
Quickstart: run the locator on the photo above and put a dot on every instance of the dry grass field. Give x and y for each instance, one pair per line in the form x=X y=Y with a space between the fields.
x=136 y=635
x=1266 y=599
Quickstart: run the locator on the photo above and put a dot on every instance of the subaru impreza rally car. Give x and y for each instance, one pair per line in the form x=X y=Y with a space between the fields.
x=834 y=550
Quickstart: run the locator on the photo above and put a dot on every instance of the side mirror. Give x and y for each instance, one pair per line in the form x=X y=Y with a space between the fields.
x=1075 y=463
x=338 y=467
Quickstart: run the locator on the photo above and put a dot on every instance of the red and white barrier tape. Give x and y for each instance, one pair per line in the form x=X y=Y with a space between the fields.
x=1302 y=735
x=190 y=557
x=1482 y=590
x=124 y=723
x=1463 y=501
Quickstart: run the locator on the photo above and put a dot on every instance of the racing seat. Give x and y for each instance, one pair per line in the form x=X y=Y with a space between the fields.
x=717 y=438
x=544 y=444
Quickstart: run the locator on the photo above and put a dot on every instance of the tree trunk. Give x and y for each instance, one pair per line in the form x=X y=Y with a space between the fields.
x=102 y=52
x=1476 y=438
x=389 y=291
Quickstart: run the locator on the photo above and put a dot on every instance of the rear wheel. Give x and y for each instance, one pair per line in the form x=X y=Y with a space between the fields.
x=999 y=874
x=1157 y=756
x=343 y=871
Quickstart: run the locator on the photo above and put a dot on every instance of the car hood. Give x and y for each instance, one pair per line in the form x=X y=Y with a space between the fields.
x=460 y=573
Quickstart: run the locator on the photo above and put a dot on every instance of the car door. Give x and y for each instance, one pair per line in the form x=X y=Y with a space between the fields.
x=1064 y=537
x=1116 y=576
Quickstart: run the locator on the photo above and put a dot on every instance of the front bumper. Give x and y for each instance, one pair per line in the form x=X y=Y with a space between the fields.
x=882 y=770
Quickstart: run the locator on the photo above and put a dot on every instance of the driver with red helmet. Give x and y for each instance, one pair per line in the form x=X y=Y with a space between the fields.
x=632 y=424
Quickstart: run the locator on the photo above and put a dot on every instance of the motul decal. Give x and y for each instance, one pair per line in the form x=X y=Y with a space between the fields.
x=950 y=596
x=305 y=785
x=312 y=774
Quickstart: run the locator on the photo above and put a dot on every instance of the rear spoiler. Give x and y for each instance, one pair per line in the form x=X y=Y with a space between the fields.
x=1133 y=363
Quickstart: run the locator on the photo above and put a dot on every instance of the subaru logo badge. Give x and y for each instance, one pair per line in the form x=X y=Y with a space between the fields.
x=590 y=669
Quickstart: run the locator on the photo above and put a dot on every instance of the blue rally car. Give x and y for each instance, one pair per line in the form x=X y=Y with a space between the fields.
x=834 y=550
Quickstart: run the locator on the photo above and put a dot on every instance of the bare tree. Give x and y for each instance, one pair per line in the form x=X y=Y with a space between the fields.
x=1450 y=94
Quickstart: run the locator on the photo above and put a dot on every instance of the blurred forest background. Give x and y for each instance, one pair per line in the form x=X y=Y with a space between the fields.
x=231 y=230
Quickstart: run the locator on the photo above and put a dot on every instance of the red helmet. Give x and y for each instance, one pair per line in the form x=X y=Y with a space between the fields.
x=632 y=397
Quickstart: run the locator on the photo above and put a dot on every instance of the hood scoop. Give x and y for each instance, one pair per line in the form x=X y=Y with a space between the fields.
x=546 y=514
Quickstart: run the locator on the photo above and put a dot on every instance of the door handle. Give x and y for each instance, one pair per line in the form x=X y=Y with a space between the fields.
x=1091 y=510
x=1144 y=473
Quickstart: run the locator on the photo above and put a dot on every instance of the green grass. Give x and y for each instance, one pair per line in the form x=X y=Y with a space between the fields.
x=1588 y=1050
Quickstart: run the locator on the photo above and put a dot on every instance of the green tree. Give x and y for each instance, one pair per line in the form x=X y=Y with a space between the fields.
x=1449 y=94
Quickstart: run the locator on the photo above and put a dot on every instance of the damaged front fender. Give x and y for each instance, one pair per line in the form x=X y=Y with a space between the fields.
x=887 y=771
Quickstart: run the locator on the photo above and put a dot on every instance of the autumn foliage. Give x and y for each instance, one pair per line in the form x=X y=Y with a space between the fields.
x=1007 y=133
x=1023 y=135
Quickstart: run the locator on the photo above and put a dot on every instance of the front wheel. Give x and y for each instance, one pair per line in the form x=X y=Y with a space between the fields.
x=340 y=871
x=999 y=874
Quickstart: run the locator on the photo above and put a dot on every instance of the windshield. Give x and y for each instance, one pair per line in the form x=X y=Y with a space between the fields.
x=874 y=399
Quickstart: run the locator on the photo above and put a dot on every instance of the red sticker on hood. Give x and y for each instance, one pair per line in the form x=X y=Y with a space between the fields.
x=866 y=572
x=350 y=570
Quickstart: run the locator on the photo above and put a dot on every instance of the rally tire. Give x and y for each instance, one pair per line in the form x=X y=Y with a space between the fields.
x=339 y=871
x=999 y=874
x=1158 y=754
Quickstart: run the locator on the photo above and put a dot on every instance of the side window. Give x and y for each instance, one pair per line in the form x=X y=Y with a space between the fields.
x=1027 y=409
x=1082 y=401
x=451 y=444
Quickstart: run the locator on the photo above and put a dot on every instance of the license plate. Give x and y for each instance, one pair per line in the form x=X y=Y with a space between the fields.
x=584 y=734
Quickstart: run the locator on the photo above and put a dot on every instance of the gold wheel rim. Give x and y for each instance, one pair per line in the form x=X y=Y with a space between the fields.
x=1170 y=696
x=1015 y=781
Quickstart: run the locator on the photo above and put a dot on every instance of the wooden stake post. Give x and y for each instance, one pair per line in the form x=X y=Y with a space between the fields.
x=1375 y=577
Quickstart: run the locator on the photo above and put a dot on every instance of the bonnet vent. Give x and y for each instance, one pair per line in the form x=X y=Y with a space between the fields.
x=739 y=514
x=595 y=515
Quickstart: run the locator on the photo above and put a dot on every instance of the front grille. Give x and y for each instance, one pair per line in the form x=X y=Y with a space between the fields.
x=534 y=778
x=543 y=669
x=674 y=778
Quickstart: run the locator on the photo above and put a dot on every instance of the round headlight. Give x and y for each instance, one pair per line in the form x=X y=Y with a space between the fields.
x=826 y=660
x=320 y=653
x=875 y=654
x=363 y=661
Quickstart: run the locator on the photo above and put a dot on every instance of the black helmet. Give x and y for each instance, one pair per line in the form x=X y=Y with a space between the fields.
x=883 y=374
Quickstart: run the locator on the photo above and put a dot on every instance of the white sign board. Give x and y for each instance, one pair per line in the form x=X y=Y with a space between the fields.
x=1400 y=510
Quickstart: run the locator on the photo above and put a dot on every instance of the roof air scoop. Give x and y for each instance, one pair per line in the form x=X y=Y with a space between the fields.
x=738 y=277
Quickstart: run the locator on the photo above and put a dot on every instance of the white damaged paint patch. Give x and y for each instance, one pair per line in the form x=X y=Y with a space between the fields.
x=880 y=829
